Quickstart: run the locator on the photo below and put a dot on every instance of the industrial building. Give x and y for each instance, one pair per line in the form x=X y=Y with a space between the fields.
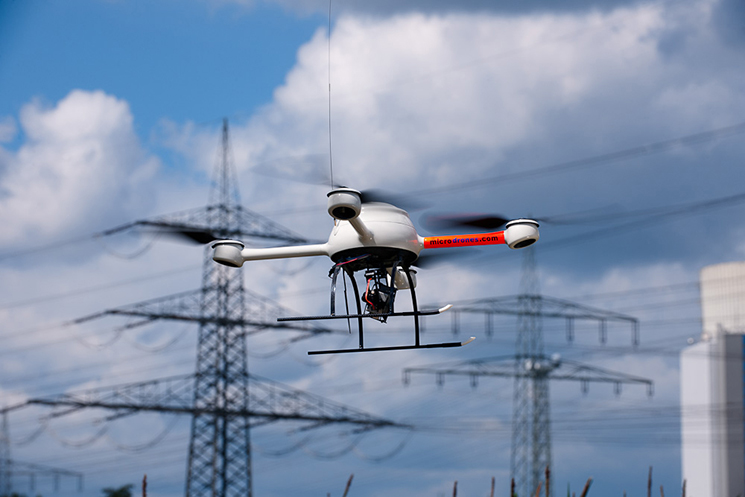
x=712 y=382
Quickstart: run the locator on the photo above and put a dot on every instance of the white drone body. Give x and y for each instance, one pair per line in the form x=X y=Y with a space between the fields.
x=380 y=239
x=380 y=230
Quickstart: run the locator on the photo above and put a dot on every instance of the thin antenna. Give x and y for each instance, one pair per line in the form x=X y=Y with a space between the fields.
x=331 y=160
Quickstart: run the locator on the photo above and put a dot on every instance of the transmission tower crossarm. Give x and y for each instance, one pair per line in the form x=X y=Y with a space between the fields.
x=269 y=401
x=10 y=468
x=492 y=366
x=531 y=367
x=576 y=371
x=529 y=306
x=244 y=413
x=186 y=306
x=197 y=225
x=204 y=320
x=33 y=467
x=14 y=407
x=550 y=307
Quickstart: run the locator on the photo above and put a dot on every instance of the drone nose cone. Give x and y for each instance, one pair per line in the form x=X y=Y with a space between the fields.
x=228 y=253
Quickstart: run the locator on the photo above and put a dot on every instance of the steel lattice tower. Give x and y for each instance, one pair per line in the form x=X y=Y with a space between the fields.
x=219 y=449
x=532 y=370
x=224 y=400
x=531 y=433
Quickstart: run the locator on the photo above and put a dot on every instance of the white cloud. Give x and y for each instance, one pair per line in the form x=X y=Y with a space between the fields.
x=412 y=92
x=8 y=129
x=81 y=165
x=430 y=100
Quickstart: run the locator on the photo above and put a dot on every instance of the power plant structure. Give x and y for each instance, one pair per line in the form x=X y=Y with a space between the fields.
x=712 y=388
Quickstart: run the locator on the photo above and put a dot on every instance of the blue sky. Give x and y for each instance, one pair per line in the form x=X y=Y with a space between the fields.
x=110 y=111
x=184 y=61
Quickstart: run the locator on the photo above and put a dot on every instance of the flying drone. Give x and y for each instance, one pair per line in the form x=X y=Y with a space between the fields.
x=377 y=238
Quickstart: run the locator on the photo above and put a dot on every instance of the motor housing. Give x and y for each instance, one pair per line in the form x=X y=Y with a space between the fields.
x=228 y=253
x=521 y=233
x=344 y=204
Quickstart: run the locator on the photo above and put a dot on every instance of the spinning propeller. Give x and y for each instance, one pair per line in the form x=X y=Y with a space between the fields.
x=441 y=223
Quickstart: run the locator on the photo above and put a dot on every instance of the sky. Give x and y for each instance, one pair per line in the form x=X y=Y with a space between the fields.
x=618 y=124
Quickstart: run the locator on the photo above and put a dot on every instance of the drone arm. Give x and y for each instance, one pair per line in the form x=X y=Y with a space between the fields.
x=232 y=253
x=494 y=238
x=520 y=233
x=258 y=254
x=361 y=229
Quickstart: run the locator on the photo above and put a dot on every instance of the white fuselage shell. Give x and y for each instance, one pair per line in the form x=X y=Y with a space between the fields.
x=382 y=225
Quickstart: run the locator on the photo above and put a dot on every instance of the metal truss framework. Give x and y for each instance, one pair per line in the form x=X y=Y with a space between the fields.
x=199 y=225
x=541 y=306
x=11 y=469
x=268 y=401
x=510 y=367
x=532 y=369
x=260 y=313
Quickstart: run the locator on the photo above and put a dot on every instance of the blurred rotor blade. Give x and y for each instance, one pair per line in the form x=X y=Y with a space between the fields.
x=181 y=232
x=399 y=200
x=433 y=258
x=458 y=221
x=196 y=236
x=313 y=169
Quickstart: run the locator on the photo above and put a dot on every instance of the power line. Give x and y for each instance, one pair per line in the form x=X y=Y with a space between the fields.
x=598 y=160
x=96 y=288
x=572 y=165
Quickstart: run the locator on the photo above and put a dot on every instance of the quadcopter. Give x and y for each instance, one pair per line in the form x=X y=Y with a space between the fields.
x=378 y=239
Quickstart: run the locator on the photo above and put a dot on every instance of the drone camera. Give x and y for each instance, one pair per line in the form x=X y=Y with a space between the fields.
x=228 y=253
x=344 y=204
x=379 y=296
x=521 y=233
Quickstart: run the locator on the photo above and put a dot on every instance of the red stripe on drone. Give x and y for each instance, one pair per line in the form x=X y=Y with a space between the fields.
x=464 y=240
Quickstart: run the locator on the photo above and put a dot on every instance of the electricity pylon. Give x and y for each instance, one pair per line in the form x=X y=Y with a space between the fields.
x=225 y=402
x=532 y=369
x=10 y=468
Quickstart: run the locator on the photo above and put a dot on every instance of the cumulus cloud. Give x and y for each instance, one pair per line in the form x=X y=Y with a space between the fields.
x=429 y=100
x=424 y=101
x=8 y=129
x=81 y=164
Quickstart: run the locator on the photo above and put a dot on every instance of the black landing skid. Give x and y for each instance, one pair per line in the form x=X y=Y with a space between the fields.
x=379 y=296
